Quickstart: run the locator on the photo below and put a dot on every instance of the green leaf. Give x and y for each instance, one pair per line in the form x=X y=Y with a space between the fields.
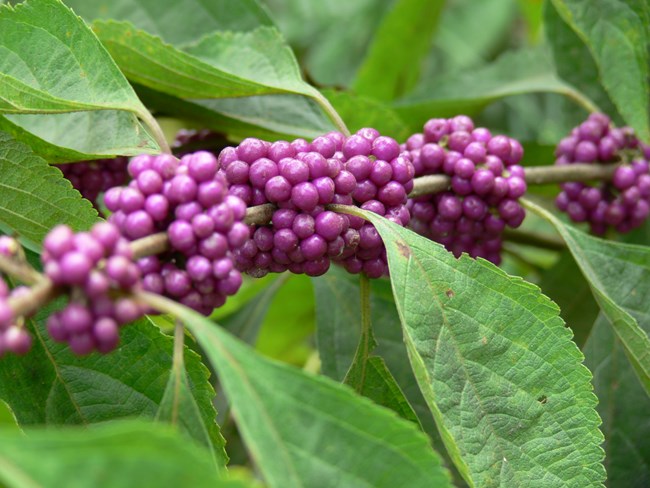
x=623 y=405
x=573 y=61
x=80 y=136
x=52 y=386
x=513 y=73
x=177 y=22
x=34 y=196
x=618 y=275
x=618 y=41
x=36 y=33
x=305 y=430
x=221 y=65
x=119 y=454
x=331 y=60
x=392 y=65
x=359 y=112
x=496 y=365
x=179 y=407
x=565 y=285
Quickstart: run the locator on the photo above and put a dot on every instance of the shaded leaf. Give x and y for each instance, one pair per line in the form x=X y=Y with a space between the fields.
x=619 y=275
x=359 y=112
x=623 y=405
x=120 y=454
x=392 y=64
x=496 y=365
x=618 y=41
x=513 y=73
x=34 y=196
x=286 y=419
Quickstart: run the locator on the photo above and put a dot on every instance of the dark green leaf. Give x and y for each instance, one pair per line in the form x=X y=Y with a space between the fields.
x=329 y=58
x=565 y=285
x=34 y=196
x=52 y=386
x=574 y=62
x=306 y=430
x=392 y=65
x=494 y=361
x=359 y=112
x=618 y=41
x=177 y=22
x=623 y=405
x=79 y=136
x=514 y=73
x=32 y=35
x=618 y=275
x=123 y=454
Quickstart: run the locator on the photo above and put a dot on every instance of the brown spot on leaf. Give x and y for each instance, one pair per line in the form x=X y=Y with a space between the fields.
x=403 y=249
x=450 y=293
x=484 y=341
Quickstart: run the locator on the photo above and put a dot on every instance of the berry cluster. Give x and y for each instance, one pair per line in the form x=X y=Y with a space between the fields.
x=301 y=178
x=91 y=178
x=623 y=203
x=13 y=337
x=98 y=270
x=189 y=200
x=486 y=181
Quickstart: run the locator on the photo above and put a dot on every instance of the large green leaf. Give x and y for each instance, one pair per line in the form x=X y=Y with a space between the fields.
x=623 y=405
x=513 y=73
x=37 y=33
x=34 y=196
x=618 y=40
x=52 y=386
x=392 y=65
x=305 y=430
x=119 y=454
x=619 y=276
x=573 y=61
x=78 y=136
x=496 y=365
x=177 y=22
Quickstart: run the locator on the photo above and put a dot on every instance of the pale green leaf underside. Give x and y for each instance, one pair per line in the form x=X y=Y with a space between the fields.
x=309 y=431
x=78 y=136
x=618 y=41
x=34 y=196
x=618 y=275
x=123 y=454
x=497 y=366
x=51 y=62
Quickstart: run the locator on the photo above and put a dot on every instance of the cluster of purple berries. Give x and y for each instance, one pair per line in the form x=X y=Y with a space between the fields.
x=301 y=178
x=98 y=270
x=623 y=203
x=189 y=200
x=486 y=182
x=13 y=337
x=91 y=178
